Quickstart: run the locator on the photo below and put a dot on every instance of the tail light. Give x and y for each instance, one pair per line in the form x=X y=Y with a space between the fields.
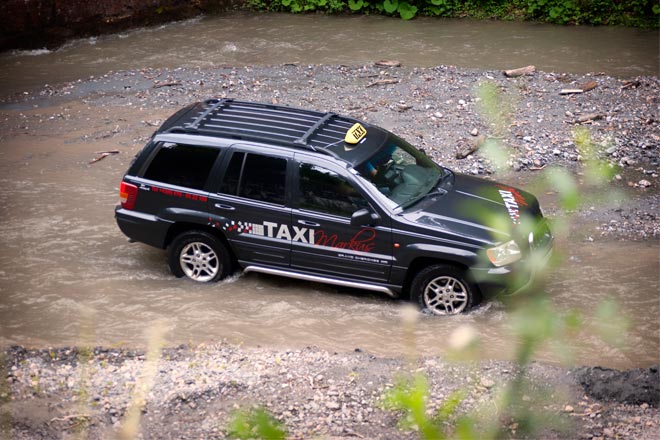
x=127 y=195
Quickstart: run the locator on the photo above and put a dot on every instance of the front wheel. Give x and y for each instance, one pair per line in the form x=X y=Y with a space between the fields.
x=200 y=256
x=443 y=290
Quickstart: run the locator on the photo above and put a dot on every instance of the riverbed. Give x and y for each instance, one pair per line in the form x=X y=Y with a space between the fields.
x=241 y=39
x=68 y=274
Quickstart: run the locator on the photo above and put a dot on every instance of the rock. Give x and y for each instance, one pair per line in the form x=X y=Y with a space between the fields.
x=527 y=70
x=644 y=183
x=475 y=132
x=333 y=405
x=636 y=386
x=36 y=23
x=486 y=383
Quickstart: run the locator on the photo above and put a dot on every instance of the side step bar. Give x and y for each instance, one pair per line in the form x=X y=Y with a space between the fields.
x=318 y=279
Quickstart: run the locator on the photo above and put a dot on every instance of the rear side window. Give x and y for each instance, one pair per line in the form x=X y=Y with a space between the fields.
x=257 y=177
x=182 y=165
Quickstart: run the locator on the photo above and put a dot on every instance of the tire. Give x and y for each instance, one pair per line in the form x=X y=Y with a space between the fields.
x=199 y=256
x=443 y=290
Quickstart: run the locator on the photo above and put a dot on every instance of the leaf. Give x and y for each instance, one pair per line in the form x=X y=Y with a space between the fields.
x=355 y=5
x=564 y=183
x=407 y=11
x=391 y=6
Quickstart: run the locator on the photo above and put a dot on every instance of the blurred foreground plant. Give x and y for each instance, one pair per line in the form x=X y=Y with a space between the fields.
x=155 y=339
x=5 y=398
x=519 y=407
x=255 y=424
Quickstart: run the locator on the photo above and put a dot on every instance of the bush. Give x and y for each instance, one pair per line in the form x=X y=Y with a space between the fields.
x=641 y=13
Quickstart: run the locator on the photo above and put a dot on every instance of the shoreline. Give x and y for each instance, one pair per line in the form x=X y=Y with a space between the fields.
x=313 y=392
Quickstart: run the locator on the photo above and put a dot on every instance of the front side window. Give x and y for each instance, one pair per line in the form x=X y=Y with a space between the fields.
x=182 y=165
x=257 y=177
x=325 y=191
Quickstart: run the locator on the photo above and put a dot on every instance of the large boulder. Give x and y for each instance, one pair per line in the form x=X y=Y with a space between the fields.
x=33 y=24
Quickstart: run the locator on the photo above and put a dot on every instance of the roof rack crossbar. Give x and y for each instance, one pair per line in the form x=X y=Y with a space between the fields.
x=303 y=139
x=251 y=134
x=289 y=126
x=195 y=124
x=289 y=132
x=277 y=110
x=290 y=119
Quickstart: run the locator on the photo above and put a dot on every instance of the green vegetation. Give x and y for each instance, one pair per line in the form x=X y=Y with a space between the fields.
x=639 y=13
x=255 y=424
x=518 y=406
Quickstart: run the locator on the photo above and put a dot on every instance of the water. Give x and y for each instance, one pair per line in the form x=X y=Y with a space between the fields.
x=68 y=275
x=240 y=39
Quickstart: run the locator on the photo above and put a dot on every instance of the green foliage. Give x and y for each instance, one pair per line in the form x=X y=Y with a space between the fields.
x=255 y=424
x=5 y=398
x=643 y=13
x=635 y=12
x=411 y=396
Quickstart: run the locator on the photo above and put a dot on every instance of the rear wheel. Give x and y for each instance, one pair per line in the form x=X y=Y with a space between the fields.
x=443 y=290
x=200 y=256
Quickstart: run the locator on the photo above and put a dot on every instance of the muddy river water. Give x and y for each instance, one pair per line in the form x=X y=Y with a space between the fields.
x=68 y=275
x=241 y=40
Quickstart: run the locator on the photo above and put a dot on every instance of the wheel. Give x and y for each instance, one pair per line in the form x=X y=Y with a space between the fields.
x=443 y=290
x=200 y=256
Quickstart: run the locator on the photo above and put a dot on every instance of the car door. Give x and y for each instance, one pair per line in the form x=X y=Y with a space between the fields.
x=249 y=205
x=323 y=239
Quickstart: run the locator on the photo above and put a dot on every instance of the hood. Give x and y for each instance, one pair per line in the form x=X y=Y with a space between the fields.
x=479 y=208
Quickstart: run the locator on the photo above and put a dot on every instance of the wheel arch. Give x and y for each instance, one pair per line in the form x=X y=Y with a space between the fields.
x=180 y=227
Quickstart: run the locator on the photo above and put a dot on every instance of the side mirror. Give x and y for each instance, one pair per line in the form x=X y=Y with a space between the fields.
x=363 y=217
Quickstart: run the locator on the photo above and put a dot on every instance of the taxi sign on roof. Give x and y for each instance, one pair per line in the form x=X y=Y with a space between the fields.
x=355 y=134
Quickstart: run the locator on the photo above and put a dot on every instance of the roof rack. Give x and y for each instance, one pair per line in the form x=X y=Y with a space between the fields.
x=282 y=125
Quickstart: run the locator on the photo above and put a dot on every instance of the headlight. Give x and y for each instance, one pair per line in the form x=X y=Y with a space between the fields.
x=504 y=254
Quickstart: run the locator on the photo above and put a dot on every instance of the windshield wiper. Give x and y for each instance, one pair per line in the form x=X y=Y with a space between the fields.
x=435 y=192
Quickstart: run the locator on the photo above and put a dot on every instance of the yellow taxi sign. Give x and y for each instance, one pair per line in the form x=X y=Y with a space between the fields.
x=355 y=134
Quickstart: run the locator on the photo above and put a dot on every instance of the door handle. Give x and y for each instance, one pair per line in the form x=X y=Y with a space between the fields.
x=308 y=223
x=225 y=207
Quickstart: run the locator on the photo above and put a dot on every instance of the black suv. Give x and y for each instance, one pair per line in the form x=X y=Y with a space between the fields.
x=322 y=197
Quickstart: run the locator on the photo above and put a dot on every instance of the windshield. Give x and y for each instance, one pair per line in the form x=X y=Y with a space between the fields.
x=401 y=172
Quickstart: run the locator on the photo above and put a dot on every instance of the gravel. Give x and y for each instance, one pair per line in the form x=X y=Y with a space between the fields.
x=54 y=393
x=437 y=109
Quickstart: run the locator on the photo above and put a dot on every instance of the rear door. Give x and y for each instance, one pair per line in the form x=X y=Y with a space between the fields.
x=323 y=239
x=249 y=205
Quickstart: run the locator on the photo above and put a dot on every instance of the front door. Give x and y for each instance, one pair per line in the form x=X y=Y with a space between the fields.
x=324 y=241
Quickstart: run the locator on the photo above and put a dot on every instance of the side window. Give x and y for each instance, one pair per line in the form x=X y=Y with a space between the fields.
x=182 y=165
x=323 y=190
x=233 y=174
x=257 y=177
